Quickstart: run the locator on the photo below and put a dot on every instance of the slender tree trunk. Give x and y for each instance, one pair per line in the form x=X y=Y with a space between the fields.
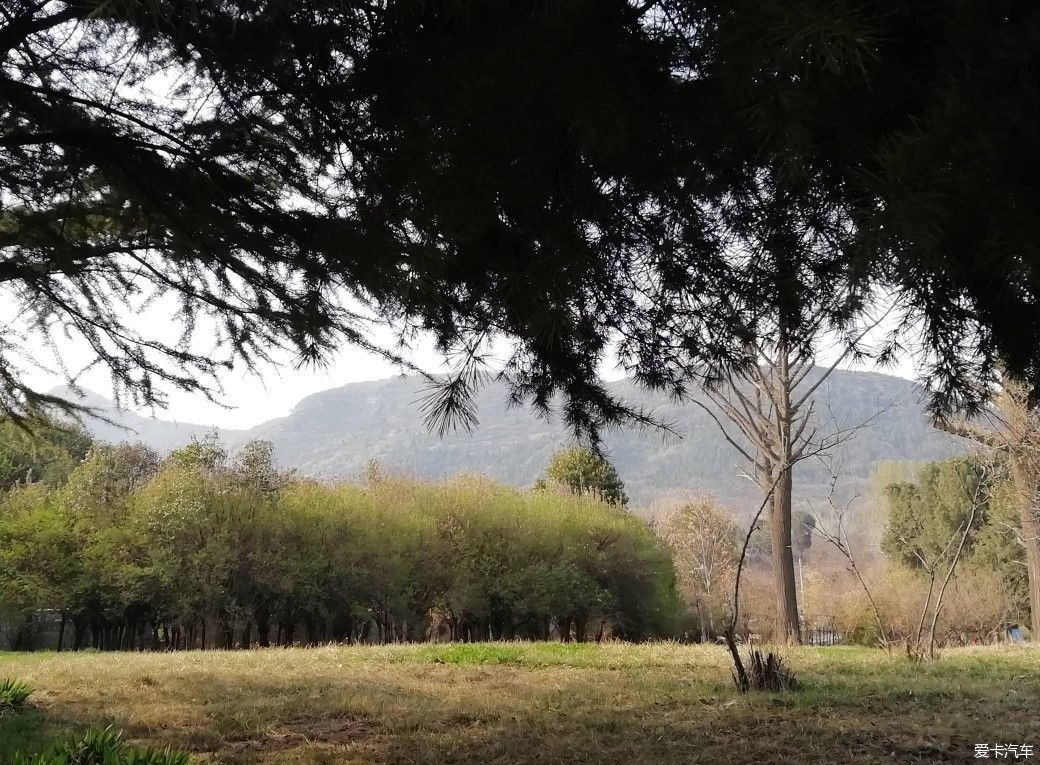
x=263 y=627
x=949 y=575
x=1030 y=516
x=61 y=631
x=787 y=626
x=918 y=647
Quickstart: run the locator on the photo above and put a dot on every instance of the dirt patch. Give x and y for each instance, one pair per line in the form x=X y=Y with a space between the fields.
x=322 y=730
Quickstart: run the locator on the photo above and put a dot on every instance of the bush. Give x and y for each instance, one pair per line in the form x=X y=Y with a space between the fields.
x=103 y=747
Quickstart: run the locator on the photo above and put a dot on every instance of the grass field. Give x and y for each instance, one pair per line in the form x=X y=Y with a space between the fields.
x=520 y=703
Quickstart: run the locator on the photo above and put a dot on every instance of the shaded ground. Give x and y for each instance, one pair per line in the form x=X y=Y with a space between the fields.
x=531 y=703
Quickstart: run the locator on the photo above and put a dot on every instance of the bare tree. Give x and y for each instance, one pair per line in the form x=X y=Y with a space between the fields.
x=1011 y=426
x=772 y=403
x=838 y=537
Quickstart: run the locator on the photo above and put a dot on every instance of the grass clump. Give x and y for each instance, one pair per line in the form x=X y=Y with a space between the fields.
x=103 y=747
x=768 y=673
x=13 y=695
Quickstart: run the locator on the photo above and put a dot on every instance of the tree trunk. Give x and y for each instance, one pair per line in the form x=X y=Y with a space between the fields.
x=787 y=626
x=1030 y=515
x=263 y=627
x=61 y=631
x=1025 y=474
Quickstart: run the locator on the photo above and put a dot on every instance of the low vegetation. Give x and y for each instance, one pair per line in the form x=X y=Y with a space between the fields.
x=523 y=702
x=13 y=695
x=102 y=747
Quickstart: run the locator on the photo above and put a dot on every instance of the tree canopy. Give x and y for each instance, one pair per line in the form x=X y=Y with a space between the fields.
x=581 y=471
x=673 y=176
x=202 y=549
x=45 y=451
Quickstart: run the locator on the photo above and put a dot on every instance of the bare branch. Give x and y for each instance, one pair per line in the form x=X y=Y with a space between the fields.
x=725 y=433
x=844 y=355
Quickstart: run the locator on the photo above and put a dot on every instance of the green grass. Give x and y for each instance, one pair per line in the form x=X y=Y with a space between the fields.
x=519 y=703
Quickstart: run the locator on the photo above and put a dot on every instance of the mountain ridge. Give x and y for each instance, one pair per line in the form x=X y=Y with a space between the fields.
x=336 y=432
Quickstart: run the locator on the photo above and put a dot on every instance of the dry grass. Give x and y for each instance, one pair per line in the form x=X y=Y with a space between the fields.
x=521 y=703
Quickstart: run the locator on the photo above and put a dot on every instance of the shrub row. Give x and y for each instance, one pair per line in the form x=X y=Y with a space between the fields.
x=197 y=551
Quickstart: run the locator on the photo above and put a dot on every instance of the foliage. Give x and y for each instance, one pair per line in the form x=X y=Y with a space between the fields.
x=272 y=184
x=704 y=543
x=13 y=695
x=103 y=747
x=39 y=450
x=925 y=515
x=583 y=472
x=978 y=607
x=261 y=180
x=202 y=550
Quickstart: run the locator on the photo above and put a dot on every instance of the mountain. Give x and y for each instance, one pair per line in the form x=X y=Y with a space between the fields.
x=123 y=425
x=336 y=433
